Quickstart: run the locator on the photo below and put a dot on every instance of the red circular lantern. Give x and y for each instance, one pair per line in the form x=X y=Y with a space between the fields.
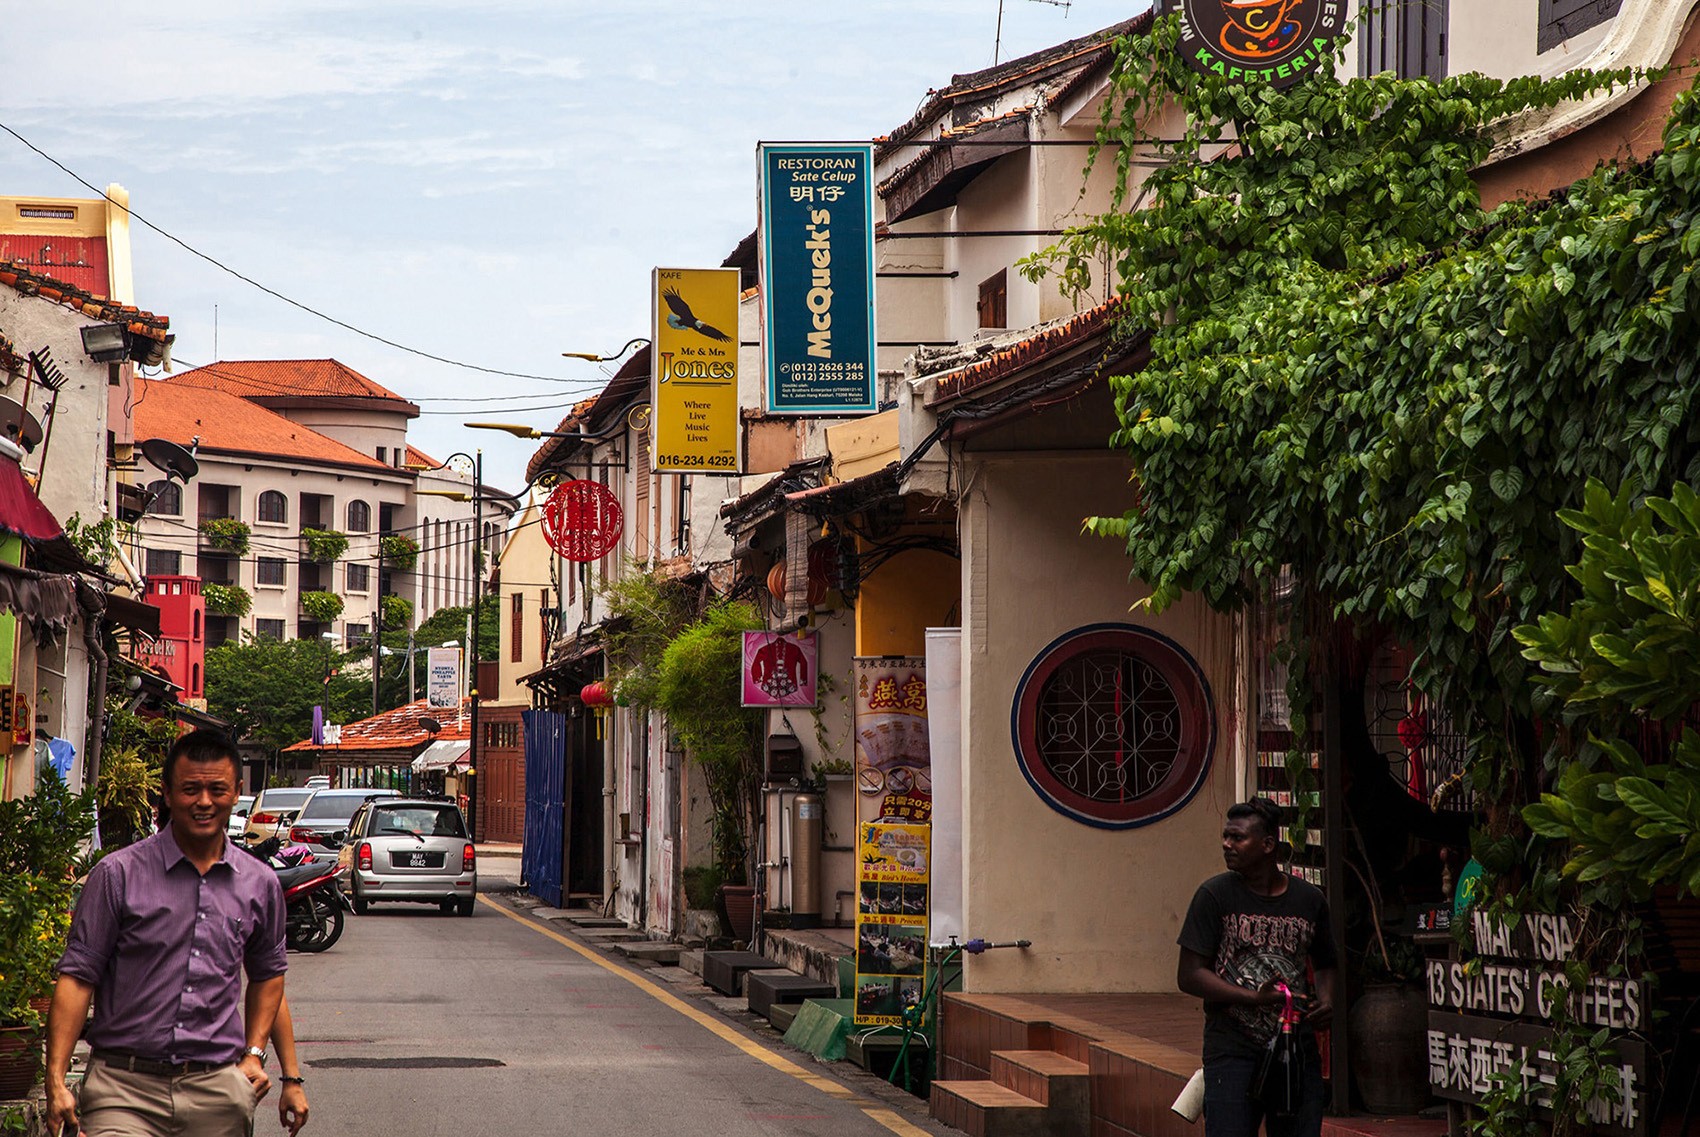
x=582 y=521
x=596 y=694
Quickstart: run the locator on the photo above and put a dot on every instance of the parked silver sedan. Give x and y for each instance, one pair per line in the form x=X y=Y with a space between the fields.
x=410 y=850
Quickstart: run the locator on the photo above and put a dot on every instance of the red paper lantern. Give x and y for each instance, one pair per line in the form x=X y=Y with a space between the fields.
x=596 y=695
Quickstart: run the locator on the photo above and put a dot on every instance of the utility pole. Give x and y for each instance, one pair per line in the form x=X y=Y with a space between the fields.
x=477 y=605
x=378 y=621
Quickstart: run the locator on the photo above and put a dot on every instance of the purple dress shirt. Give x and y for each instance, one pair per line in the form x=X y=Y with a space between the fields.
x=164 y=948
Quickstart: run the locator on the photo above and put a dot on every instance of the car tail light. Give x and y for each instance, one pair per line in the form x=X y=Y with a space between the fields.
x=468 y=858
x=366 y=855
x=304 y=835
x=263 y=819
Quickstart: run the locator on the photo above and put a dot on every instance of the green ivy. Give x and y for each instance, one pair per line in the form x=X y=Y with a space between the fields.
x=397 y=612
x=1357 y=372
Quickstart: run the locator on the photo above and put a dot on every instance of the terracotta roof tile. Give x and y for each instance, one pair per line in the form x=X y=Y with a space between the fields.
x=417 y=459
x=1034 y=349
x=179 y=411
x=261 y=379
x=31 y=283
x=399 y=729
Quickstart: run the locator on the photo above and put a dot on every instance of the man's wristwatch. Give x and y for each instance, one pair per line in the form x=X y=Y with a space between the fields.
x=258 y=1052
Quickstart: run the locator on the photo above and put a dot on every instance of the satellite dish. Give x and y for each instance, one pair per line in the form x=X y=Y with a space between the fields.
x=429 y=725
x=177 y=462
x=12 y=414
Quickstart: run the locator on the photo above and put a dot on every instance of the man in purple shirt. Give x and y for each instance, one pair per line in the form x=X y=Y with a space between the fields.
x=161 y=936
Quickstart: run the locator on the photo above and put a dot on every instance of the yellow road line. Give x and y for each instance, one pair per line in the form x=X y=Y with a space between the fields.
x=886 y=1117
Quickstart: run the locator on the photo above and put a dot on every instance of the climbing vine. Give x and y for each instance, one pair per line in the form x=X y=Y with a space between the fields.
x=1358 y=373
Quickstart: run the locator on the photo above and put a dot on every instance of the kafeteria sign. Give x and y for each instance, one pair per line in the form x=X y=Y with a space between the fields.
x=1260 y=41
x=693 y=381
x=817 y=272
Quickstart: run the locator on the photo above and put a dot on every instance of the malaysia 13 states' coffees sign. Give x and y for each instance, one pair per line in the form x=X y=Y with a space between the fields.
x=817 y=258
x=693 y=388
x=1490 y=1019
x=1260 y=41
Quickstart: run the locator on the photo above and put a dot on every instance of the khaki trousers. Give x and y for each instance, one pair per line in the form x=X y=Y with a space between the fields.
x=118 y=1103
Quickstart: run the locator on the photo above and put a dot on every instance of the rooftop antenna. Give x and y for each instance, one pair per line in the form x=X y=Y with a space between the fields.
x=48 y=374
x=997 y=41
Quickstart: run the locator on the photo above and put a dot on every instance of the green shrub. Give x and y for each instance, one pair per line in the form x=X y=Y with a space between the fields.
x=400 y=551
x=324 y=545
x=321 y=606
x=397 y=611
x=226 y=533
x=226 y=599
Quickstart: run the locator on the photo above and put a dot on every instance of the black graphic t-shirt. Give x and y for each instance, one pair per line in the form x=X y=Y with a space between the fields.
x=1248 y=940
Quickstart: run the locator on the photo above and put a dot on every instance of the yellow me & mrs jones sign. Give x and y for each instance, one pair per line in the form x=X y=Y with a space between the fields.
x=694 y=370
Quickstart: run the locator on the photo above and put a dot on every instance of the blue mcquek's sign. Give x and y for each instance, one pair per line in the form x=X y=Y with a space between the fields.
x=818 y=279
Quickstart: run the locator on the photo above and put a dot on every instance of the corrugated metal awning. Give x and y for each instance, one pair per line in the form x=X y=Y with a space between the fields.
x=441 y=756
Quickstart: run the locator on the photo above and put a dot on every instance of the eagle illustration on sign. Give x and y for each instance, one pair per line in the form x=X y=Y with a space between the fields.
x=681 y=317
x=1272 y=41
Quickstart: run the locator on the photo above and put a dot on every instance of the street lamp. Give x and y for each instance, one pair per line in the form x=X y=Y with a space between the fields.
x=477 y=561
x=594 y=358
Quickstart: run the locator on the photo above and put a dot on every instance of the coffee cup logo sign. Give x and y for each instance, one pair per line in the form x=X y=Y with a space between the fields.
x=1260 y=41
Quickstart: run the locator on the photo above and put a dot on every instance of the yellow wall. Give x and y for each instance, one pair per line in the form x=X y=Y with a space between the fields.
x=905 y=596
x=1102 y=907
x=524 y=566
x=94 y=218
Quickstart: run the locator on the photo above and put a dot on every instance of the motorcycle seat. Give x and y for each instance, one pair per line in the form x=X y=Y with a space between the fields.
x=291 y=877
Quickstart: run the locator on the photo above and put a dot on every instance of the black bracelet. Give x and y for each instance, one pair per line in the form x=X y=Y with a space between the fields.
x=298 y=1081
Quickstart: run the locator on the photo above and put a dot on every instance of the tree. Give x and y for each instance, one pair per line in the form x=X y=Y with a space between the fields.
x=267 y=689
x=446 y=625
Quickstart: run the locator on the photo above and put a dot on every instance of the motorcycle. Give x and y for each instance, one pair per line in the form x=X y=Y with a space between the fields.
x=314 y=907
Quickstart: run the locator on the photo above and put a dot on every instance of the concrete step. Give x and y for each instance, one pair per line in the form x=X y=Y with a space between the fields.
x=691 y=960
x=581 y=919
x=607 y=937
x=780 y=1016
x=1052 y=1080
x=986 y=1109
x=650 y=951
x=765 y=988
x=723 y=970
x=744 y=978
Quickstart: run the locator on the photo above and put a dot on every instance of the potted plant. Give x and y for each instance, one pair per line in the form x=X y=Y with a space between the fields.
x=324 y=546
x=226 y=533
x=398 y=611
x=226 y=599
x=1389 y=1020
x=398 y=550
x=321 y=606
x=41 y=859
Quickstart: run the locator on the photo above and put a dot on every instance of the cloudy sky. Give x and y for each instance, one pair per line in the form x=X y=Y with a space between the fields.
x=489 y=181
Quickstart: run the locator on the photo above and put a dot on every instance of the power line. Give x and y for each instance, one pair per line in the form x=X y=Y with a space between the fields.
x=272 y=292
x=590 y=387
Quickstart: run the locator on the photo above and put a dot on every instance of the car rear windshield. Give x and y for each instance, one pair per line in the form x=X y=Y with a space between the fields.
x=338 y=807
x=423 y=820
x=285 y=798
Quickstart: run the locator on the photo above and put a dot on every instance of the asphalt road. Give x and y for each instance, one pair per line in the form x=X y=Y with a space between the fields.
x=418 y=1024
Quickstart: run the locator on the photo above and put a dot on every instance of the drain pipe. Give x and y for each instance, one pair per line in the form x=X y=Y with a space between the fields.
x=93 y=603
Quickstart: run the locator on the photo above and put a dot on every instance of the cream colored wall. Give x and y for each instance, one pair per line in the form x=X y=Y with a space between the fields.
x=1001 y=198
x=525 y=562
x=1102 y=907
x=74 y=477
x=359 y=430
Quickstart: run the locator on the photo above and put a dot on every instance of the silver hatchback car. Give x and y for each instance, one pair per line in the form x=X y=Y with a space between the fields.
x=410 y=849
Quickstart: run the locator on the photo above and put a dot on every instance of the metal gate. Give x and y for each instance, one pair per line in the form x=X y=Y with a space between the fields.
x=541 y=854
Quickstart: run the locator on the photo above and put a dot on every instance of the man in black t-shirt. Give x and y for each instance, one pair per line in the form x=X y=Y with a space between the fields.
x=1246 y=930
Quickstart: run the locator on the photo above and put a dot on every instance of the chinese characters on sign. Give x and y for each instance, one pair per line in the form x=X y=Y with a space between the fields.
x=1521 y=978
x=817 y=272
x=693 y=382
x=779 y=669
x=891 y=920
x=893 y=764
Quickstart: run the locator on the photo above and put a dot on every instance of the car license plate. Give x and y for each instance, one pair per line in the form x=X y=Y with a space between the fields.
x=417 y=859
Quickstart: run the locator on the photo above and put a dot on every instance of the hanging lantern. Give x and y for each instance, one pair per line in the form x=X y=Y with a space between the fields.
x=776 y=582
x=596 y=695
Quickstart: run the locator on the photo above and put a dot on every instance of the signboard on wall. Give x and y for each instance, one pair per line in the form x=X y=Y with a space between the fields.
x=693 y=381
x=817 y=273
x=1490 y=1019
x=894 y=774
x=780 y=669
x=442 y=677
x=1276 y=42
x=891 y=920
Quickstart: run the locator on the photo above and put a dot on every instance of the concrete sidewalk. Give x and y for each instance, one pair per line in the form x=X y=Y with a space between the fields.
x=497 y=849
